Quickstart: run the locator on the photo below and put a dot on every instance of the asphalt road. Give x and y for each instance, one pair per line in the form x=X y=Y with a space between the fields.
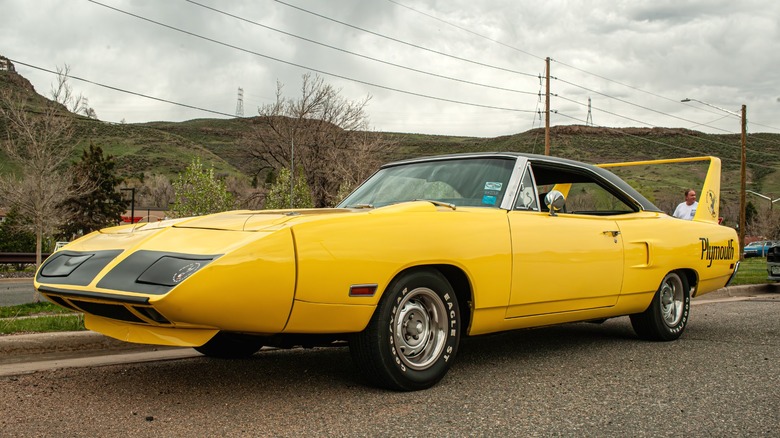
x=722 y=378
x=14 y=291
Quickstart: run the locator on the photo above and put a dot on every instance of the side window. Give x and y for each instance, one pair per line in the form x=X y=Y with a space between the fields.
x=591 y=198
x=584 y=191
x=526 y=197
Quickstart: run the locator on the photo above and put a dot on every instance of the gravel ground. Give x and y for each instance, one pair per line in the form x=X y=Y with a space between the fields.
x=17 y=274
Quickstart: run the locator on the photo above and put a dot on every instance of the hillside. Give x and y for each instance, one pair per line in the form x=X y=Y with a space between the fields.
x=167 y=148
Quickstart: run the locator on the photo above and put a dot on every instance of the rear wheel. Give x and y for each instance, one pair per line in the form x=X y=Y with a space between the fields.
x=667 y=316
x=413 y=336
x=230 y=346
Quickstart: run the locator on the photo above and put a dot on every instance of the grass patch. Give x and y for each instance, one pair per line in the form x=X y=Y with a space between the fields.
x=39 y=318
x=32 y=309
x=41 y=324
x=751 y=271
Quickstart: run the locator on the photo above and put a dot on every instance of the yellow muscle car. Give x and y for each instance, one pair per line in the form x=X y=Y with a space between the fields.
x=424 y=252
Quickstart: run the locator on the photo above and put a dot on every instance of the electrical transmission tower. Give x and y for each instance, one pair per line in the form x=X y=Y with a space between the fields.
x=240 y=103
x=589 y=120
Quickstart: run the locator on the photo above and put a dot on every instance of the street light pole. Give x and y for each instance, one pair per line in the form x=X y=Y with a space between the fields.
x=132 y=203
x=742 y=168
x=771 y=201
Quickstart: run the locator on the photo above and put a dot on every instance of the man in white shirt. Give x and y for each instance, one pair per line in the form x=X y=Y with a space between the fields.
x=687 y=210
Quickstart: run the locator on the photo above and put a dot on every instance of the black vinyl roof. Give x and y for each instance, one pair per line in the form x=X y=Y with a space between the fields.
x=539 y=162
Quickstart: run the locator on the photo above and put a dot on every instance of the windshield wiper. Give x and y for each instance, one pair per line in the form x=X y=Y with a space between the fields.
x=439 y=203
x=361 y=206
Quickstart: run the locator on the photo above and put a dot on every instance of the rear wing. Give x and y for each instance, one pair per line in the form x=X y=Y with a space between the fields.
x=709 y=196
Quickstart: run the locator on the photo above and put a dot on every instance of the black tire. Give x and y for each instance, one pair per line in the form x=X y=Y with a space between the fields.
x=413 y=336
x=231 y=346
x=667 y=316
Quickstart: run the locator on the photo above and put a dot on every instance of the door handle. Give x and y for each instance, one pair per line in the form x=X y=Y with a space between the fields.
x=613 y=233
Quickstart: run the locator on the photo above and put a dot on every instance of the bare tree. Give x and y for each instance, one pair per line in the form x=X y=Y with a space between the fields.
x=156 y=191
x=39 y=143
x=321 y=132
x=62 y=93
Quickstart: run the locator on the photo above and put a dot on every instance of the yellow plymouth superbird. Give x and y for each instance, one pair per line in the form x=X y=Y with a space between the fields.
x=424 y=252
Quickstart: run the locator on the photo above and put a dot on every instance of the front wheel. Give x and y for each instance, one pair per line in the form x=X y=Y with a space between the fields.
x=667 y=316
x=413 y=336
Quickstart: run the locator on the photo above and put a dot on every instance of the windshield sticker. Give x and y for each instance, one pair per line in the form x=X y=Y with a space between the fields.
x=493 y=186
x=489 y=200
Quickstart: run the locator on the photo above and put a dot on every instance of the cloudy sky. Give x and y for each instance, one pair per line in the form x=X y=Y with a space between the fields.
x=450 y=67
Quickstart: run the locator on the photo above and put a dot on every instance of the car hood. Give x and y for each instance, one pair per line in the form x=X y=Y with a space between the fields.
x=255 y=220
x=265 y=220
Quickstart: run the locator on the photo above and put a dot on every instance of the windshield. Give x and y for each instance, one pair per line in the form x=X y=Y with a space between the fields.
x=478 y=182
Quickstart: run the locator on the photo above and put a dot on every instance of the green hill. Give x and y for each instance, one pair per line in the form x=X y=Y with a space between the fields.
x=168 y=147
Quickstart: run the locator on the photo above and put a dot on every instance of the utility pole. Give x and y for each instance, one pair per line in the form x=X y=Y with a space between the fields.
x=743 y=178
x=292 y=171
x=547 y=111
x=742 y=168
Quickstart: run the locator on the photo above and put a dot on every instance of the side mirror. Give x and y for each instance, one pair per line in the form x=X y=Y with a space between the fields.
x=554 y=201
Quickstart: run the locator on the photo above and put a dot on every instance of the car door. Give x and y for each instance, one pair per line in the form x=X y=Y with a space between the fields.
x=563 y=262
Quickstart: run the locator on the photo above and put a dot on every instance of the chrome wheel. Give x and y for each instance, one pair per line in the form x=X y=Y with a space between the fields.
x=667 y=315
x=420 y=328
x=413 y=336
x=672 y=296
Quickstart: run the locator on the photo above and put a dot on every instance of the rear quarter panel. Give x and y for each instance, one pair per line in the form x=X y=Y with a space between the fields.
x=656 y=244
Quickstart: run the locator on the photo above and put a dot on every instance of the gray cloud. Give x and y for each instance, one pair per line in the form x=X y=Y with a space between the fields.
x=647 y=55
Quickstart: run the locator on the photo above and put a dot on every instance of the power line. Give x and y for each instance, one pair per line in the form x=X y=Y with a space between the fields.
x=637 y=105
x=654 y=126
x=370 y=84
x=355 y=53
x=621 y=131
x=649 y=92
x=697 y=138
x=121 y=90
x=575 y=68
x=404 y=42
x=468 y=30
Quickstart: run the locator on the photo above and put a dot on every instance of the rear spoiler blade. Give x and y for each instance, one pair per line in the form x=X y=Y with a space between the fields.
x=709 y=195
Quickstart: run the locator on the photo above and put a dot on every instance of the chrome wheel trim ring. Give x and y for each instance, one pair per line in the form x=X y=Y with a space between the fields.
x=671 y=297
x=420 y=328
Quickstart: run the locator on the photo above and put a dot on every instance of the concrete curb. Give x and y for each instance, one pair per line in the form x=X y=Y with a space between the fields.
x=15 y=348
x=60 y=342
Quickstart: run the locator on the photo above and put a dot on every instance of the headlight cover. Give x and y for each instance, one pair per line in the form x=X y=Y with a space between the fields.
x=154 y=272
x=75 y=267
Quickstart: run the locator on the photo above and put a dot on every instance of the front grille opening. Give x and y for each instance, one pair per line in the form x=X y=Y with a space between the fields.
x=151 y=313
x=62 y=302
x=112 y=311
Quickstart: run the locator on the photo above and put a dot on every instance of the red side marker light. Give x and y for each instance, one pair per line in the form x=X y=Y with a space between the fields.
x=362 y=290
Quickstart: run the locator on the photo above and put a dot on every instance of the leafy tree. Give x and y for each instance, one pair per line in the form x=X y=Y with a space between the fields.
x=100 y=207
x=39 y=144
x=279 y=193
x=750 y=213
x=197 y=192
x=14 y=237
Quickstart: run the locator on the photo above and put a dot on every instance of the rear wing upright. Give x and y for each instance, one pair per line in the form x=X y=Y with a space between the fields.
x=709 y=195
